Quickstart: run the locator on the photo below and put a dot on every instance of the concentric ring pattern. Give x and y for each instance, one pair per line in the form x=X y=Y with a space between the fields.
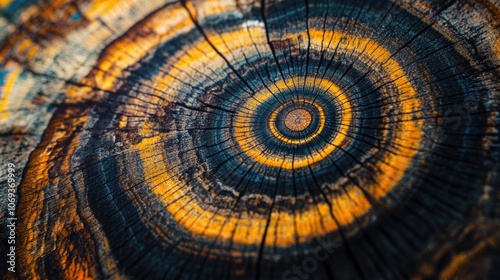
x=260 y=140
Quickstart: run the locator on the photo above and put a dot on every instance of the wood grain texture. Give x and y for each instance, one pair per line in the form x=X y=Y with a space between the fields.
x=252 y=139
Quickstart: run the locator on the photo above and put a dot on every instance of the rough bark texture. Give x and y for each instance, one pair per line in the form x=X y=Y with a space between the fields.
x=251 y=139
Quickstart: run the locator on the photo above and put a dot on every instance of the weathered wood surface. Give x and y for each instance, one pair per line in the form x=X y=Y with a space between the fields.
x=252 y=139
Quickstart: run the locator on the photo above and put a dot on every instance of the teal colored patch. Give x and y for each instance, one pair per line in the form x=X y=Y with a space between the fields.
x=3 y=73
x=76 y=16
x=15 y=8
